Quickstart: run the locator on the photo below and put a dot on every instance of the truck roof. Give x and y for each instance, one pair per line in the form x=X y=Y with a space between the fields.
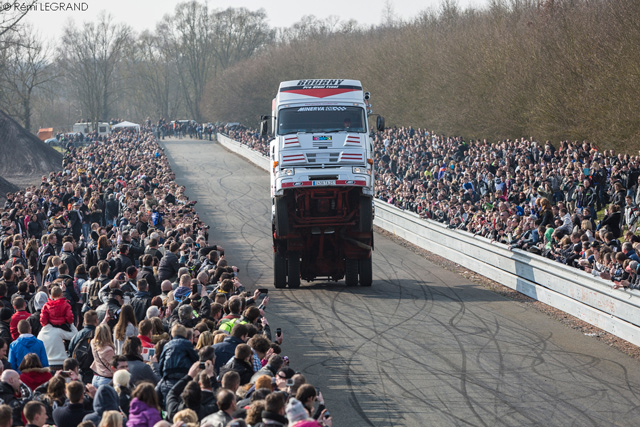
x=307 y=89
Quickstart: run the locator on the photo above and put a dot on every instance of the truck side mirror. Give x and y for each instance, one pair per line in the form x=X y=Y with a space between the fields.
x=380 y=123
x=264 y=127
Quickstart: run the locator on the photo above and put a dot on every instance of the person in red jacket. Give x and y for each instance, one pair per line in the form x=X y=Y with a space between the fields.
x=20 y=305
x=57 y=311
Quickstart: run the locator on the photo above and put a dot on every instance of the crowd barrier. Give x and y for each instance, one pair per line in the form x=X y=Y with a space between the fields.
x=568 y=289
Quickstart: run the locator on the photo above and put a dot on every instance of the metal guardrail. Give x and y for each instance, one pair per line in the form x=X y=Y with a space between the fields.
x=571 y=290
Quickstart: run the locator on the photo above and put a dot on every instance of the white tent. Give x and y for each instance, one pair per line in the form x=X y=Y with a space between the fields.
x=125 y=124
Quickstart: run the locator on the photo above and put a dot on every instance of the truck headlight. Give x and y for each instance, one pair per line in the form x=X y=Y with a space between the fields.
x=357 y=169
x=286 y=172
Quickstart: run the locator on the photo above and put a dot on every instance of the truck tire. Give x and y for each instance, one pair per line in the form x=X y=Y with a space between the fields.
x=294 y=270
x=366 y=214
x=279 y=270
x=366 y=272
x=351 y=272
x=282 y=217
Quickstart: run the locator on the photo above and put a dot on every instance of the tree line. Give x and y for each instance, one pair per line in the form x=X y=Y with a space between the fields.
x=551 y=69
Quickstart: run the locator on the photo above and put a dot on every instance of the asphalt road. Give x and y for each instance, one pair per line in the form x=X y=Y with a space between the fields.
x=422 y=346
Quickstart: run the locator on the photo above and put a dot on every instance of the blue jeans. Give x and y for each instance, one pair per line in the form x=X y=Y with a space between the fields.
x=98 y=380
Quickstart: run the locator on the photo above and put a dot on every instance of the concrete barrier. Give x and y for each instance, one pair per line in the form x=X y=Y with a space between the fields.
x=568 y=289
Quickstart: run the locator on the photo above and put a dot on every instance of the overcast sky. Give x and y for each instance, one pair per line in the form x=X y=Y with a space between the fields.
x=144 y=14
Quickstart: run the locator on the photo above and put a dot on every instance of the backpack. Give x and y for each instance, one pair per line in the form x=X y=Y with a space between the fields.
x=93 y=298
x=83 y=354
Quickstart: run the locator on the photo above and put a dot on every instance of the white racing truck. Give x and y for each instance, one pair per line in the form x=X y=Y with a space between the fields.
x=321 y=182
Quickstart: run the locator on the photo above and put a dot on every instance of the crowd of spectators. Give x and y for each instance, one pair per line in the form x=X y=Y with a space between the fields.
x=522 y=193
x=115 y=309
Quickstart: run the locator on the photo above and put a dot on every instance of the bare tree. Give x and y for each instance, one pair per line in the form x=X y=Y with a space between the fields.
x=10 y=19
x=91 y=58
x=27 y=68
x=155 y=72
x=187 y=37
x=239 y=33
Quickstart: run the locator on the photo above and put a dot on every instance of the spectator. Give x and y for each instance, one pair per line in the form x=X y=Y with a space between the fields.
x=25 y=344
x=73 y=411
x=176 y=359
x=35 y=414
x=80 y=347
x=111 y=419
x=169 y=264
x=240 y=363
x=141 y=300
x=54 y=338
x=147 y=274
x=127 y=326
x=103 y=352
x=145 y=408
x=274 y=413
x=39 y=300
x=226 y=349
x=6 y=415
x=57 y=312
x=33 y=374
x=5 y=322
x=227 y=403
x=106 y=399
x=54 y=396
x=139 y=370
x=21 y=313
x=11 y=393
x=121 y=381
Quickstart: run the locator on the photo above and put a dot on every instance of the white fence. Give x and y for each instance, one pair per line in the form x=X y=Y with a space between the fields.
x=568 y=289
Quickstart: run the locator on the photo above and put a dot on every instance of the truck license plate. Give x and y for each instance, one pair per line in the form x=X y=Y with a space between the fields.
x=324 y=182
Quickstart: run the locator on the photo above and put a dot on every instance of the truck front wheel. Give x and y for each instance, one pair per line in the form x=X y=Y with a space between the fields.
x=351 y=272
x=294 y=270
x=279 y=270
x=282 y=217
x=366 y=214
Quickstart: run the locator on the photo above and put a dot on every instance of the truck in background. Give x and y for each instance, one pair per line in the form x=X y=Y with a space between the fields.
x=103 y=128
x=322 y=179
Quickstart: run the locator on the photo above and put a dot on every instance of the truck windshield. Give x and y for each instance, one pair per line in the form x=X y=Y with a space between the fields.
x=321 y=119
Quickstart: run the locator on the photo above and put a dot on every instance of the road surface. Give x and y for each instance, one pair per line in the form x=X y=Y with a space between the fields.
x=422 y=346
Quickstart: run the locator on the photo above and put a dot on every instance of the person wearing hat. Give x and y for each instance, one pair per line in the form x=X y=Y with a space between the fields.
x=298 y=416
x=284 y=374
x=39 y=300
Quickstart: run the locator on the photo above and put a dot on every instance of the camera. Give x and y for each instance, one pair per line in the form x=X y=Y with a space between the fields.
x=278 y=332
x=202 y=365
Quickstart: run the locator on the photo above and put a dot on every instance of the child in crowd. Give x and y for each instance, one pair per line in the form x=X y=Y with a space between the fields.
x=57 y=311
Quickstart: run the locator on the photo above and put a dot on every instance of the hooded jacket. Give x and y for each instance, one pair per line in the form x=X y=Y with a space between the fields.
x=142 y=415
x=25 y=344
x=35 y=377
x=57 y=312
x=106 y=400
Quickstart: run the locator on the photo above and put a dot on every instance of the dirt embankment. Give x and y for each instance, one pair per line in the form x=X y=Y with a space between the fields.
x=23 y=157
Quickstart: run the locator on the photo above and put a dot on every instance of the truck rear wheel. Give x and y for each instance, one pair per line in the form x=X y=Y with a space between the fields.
x=282 y=217
x=366 y=214
x=351 y=272
x=366 y=272
x=294 y=270
x=279 y=270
